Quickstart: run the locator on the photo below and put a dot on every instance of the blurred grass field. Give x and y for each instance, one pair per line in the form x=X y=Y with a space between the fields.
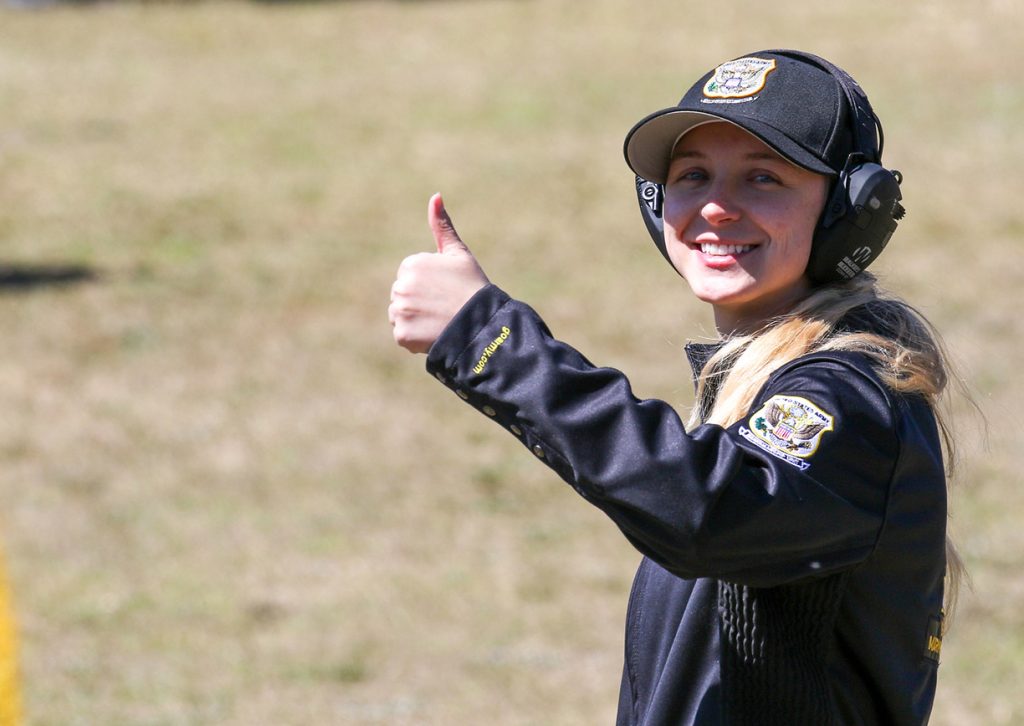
x=228 y=498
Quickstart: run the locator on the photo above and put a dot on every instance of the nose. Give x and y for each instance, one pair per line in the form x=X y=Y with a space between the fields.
x=719 y=207
x=712 y=205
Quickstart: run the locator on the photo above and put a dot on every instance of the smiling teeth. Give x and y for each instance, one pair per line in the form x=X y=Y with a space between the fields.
x=712 y=249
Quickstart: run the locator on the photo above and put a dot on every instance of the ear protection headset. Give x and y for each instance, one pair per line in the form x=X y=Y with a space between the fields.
x=863 y=206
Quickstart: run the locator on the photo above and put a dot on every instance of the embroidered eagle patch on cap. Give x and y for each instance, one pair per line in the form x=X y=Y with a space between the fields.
x=739 y=78
x=789 y=427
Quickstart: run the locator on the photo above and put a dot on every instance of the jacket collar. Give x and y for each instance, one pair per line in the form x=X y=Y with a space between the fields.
x=698 y=354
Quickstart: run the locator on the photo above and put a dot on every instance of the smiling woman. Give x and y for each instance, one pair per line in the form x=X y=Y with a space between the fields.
x=794 y=535
x=739 y=220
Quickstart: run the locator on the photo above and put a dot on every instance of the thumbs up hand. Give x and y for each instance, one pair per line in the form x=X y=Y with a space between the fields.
x=431 y=287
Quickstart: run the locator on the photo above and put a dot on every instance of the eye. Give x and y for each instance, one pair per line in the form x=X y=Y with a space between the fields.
x=763 y=177
x=688 y=176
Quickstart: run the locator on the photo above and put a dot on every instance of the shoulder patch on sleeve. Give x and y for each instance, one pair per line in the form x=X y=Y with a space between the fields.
x=788 y=427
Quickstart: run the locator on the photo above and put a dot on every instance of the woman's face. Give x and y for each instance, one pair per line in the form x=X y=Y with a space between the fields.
x=738 y=223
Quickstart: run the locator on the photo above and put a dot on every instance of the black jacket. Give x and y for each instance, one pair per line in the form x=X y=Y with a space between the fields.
x=793 y=561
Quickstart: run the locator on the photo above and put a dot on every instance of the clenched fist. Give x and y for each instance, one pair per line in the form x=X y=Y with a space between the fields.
x=432 y=286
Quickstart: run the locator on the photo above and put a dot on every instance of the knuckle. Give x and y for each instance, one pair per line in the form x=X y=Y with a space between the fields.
x=400 y=288
x=414 y=262
x=403 y=307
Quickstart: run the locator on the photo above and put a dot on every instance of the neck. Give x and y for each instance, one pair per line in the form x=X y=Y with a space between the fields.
x=747 y=318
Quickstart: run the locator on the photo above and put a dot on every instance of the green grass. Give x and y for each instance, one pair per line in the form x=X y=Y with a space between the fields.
x=229 y=498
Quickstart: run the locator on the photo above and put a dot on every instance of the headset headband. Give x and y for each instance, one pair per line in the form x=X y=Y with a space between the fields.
x=867 y=129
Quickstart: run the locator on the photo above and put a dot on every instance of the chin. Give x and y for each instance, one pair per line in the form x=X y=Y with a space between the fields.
x=719 y=295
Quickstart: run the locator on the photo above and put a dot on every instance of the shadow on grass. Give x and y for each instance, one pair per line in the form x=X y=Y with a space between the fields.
x=25 y=278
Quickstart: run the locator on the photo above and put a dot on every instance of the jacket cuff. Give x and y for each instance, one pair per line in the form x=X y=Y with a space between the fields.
x=461 y=332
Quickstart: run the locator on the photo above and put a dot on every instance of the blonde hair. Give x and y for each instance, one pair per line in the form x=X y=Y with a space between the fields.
x=905 y=351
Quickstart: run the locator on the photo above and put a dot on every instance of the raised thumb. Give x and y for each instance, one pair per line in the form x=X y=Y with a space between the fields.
x=445 y=236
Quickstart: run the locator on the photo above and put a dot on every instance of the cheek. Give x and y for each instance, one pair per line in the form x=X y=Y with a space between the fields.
x=678 y=254
x=813 y=207
x=672 y=219
x=803 y=241
x=678 y=207
x=797 y=226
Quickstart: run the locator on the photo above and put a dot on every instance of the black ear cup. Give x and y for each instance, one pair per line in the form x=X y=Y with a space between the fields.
x=857 y=222
x=651 y=197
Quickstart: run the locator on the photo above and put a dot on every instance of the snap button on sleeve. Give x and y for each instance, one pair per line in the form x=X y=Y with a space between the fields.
x=489 y=411
x=538 y=451
x=516 y=430
x=463 y=395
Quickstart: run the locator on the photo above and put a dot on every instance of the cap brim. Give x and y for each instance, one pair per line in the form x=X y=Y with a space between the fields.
x=649 y=144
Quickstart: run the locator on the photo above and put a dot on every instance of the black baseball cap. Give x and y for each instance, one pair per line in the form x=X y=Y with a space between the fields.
x=792 y=104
